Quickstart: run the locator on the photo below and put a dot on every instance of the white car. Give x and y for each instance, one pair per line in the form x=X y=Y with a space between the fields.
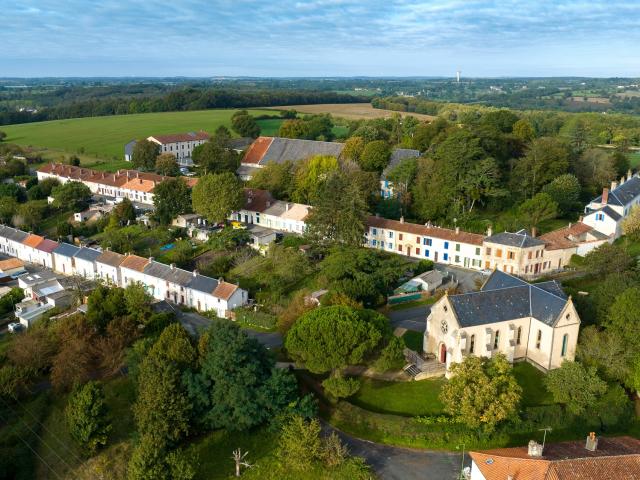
x=15 y=327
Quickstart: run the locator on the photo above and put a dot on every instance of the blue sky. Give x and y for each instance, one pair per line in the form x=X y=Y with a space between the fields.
x=319 y=38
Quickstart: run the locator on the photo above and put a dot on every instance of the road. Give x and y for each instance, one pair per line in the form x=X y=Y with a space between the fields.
x=397 y=463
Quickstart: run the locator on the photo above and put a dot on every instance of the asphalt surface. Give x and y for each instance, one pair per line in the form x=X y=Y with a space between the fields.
x=414 y=318
x=397 y=463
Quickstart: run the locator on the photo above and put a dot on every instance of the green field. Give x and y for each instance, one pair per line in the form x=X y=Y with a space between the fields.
x=104 y=137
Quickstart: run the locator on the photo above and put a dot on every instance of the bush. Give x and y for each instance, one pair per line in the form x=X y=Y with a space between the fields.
x=86 y=416
x=423 y=266
x=341 y=387
x=391 y=356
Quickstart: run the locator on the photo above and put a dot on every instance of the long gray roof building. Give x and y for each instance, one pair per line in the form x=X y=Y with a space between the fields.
x=521 y=239
x=504 y=297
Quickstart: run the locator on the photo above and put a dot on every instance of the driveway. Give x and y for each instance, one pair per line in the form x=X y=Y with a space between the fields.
x=414 y=318
x=397 y=463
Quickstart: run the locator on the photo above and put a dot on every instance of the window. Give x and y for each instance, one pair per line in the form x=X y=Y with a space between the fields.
x=511 y=255
x=375 y=231
x=457 y=259
x=373 y=242
x=426 y=253
x=446 y=257
x=519 y=336
x=472 y=343
x=429 y=242
x=399 y=236
x=478 y=251
x=488 y=251
x=390 y=245
x=529 y=255
x=457 y=247
x=445 y=308
x=565 y=341
x=496 y=339
x=399 y=248
x=417 y=251
x=390 y=234
x=418 y=240
x=499 y=253
x=446 y=245
x=539 y=339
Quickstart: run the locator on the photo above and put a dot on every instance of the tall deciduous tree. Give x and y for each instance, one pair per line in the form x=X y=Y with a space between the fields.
x=144 y=154
x=565 y=191
x=353 y=149
x=216 y=156
x=595 y=168
x=523 y=130
x=339 y=214
x=171 y=198
x=375 y=156
x=74 y=195
x=244 y=124
x=216 y=196
x=537 y=209
x=311 y=175
x=166 y=165
x=624 y=318
x=481 y=392
x=546 y=159
x=607 y=258
x=575 y=386
x=631 y=223
x=86 y=415
x=277 y=178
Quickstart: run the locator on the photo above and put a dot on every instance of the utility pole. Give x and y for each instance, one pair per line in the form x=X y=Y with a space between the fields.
x=544 y=438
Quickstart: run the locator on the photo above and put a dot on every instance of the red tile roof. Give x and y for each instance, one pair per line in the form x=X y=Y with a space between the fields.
x=47 y=245
x=257 y=150
x=435 y=232
x=617 y=457
x=134 y=262
x=224 y=290
x=559 y=239
x=181 y=137
x=10 y=264
x=33 y=241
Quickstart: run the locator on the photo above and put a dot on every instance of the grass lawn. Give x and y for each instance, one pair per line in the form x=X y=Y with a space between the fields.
x=104 y=137
x=416 y=303
x=413 y=340
x=400 y=398
x=270 y=126
x=634 y=159
x=531 y=379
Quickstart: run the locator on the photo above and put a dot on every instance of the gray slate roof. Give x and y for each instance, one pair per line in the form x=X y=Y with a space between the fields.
x=166 y=272
x=203 y=284
x=397 y=156
x=610 y=212
x=88 y=254
x=128 y=148
x=66 y=250
x=505 y=298
x=520 y=239
x=13 y=234
x=624 y=194
x=294 y=149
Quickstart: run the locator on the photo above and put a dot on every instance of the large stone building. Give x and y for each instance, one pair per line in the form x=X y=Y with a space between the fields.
x=537 y=323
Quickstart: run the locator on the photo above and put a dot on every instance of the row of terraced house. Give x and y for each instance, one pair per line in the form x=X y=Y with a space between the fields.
x=162 y=282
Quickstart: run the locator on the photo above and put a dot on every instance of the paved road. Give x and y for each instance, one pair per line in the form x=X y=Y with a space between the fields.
x=396 y=463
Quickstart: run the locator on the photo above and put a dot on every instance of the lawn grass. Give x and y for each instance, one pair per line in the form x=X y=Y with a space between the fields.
x=413 y=340
x=634 y=160
x=415 y=303
x=270 y=127
x=104 y=137
x=400 y=398
x=531 y=380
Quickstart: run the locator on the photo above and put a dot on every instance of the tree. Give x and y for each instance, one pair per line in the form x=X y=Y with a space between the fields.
x=237 y=386
x=3 y=135
x=375 y=156
x=402 y=176
x=277 y=178
x=481 y=392
x=33 y=350
x=327 y=339
x=546 y=159
x=391 y=355
x=216 y=156
x=138 y=302
x=565 y=191
x=144 y=154
x=300 y=445
x=12 y=190
x=166 y=165
x=606 y=351
x=338 y=216
x=295 y=128
x=124 y=211
x=631 y=223
x=353 y=148
x=171 y=198
x=74 y=195
x=8 y=208
x=537 y=209
x=86 y=416
x=575 y=386
x=339 y=386
x=624 y=318
x=595 y=168
x=523 y=130
x=607 y=258
x=30 y=214
x=216 y=196
x=310 y=176
x=103 y=305
x=244 y=124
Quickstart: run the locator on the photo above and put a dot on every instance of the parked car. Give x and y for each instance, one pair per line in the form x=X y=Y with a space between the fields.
x=15 y=327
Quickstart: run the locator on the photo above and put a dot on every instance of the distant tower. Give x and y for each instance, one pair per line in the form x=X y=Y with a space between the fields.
x=458 y=76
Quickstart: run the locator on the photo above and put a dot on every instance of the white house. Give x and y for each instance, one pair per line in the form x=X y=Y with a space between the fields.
x=180 y=145
x=11 y=241
x=108 y=267
x=85 y=262
x=63 y=258
x=261 y=209
x=398 y=156
x=533 y=322
x=606 y=212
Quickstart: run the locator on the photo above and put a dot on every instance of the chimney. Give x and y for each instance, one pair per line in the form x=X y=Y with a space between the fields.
x=580 y=219
x=150 y=259
x=286 y=207
x=401 y=219
x=534 y=449
x=195 y=273
x=534 y=232
x=489 y=231
x=268 y=203
x=614 y=185
x=621 y=180
x=629 y=174
x=457 y=230
x=605 y=195
x=377 y=215
x=173 y=266
x=592 y=442
x=569 y=225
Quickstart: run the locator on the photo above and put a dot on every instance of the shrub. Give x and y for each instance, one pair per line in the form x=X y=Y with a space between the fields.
x=423 y=266
x=86 y=416
x=341 y=387
x=391 y=356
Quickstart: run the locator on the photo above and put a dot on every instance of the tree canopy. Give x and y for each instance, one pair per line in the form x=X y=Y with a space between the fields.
x=171 y=198
x=216 y=196
x=144 y=155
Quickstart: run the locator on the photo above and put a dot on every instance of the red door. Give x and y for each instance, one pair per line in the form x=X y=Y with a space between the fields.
x=443 y=353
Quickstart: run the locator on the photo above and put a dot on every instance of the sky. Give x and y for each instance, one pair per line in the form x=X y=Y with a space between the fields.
x=280 y=38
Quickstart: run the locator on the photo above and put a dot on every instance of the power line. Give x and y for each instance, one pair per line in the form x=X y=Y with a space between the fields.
x=38 y=436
